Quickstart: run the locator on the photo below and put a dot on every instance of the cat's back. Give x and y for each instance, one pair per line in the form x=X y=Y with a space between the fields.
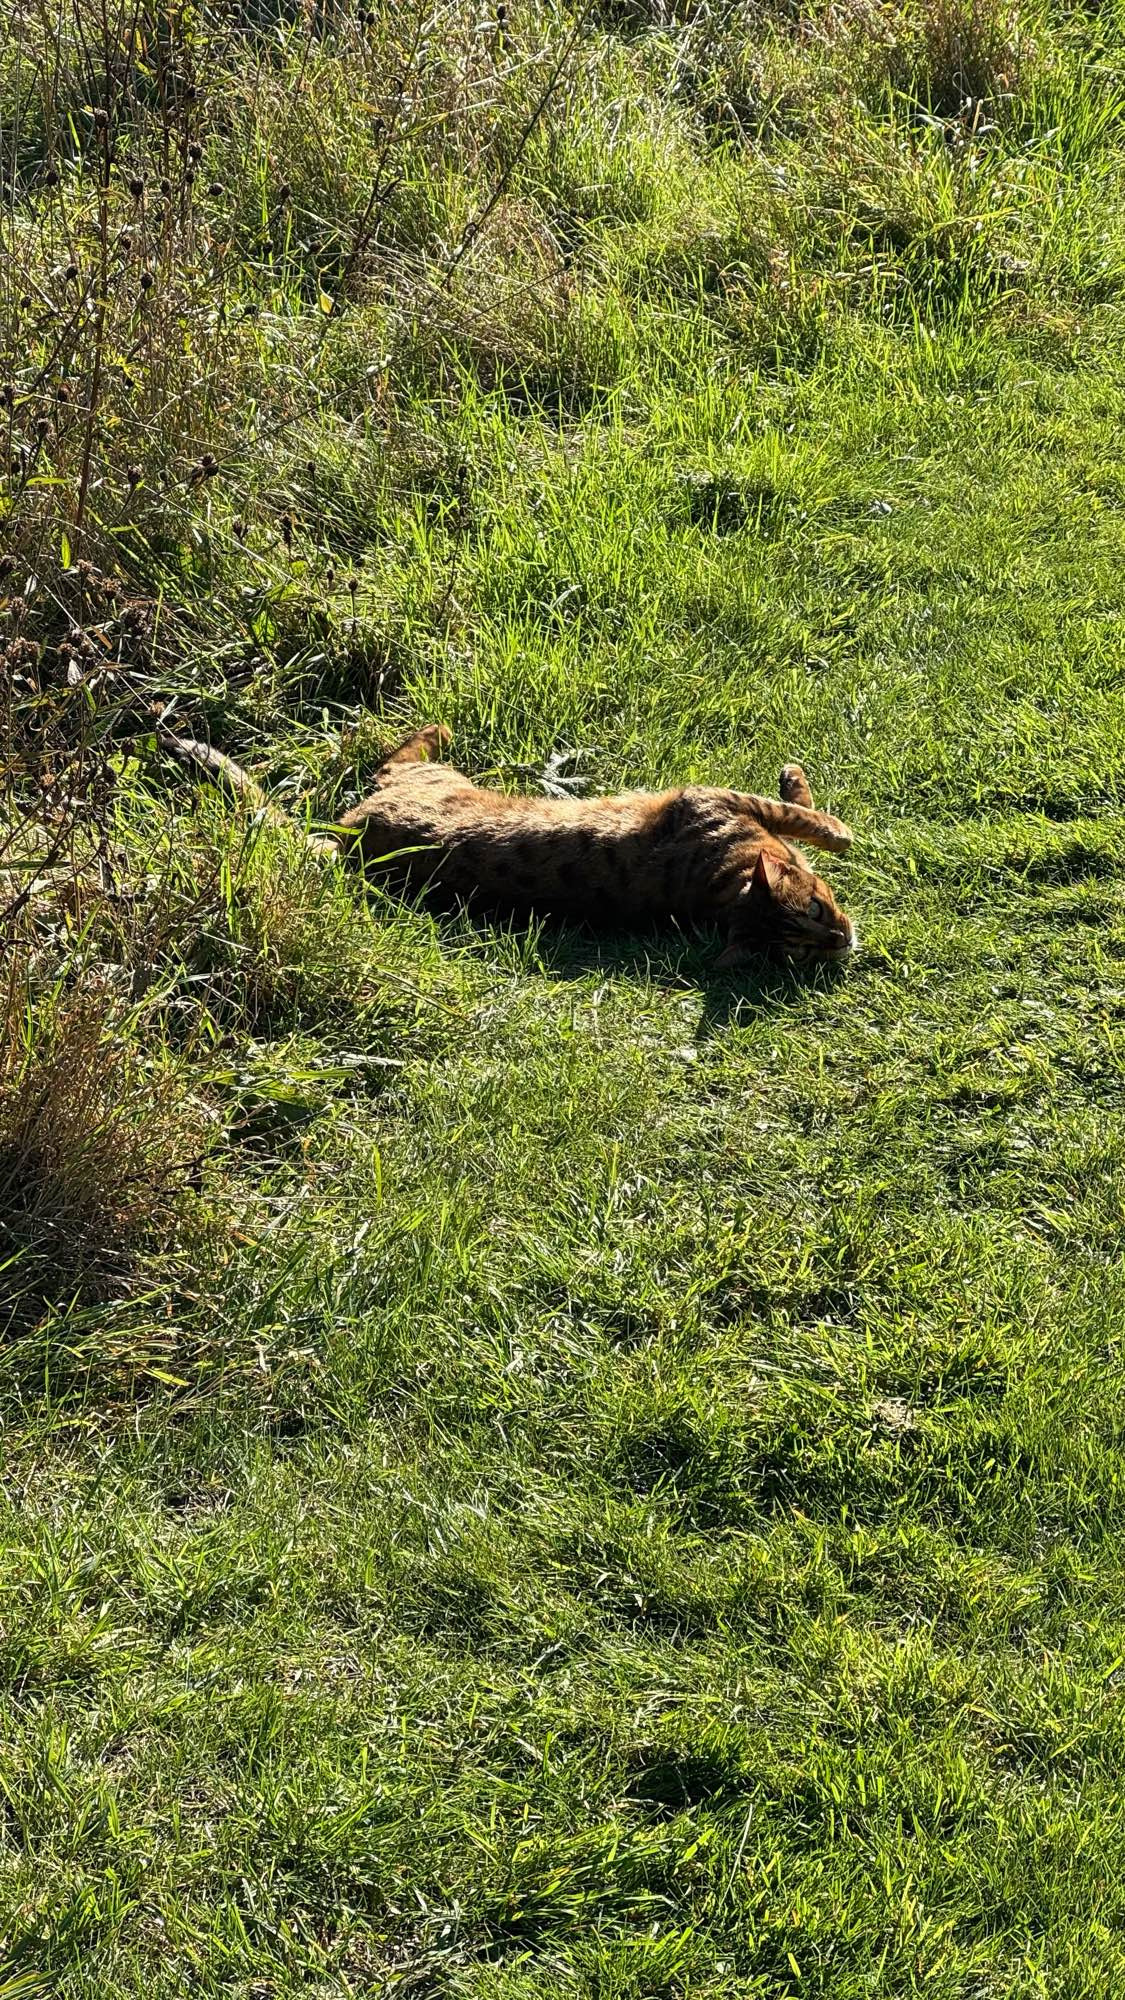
x=443 y=798
x=596 y=858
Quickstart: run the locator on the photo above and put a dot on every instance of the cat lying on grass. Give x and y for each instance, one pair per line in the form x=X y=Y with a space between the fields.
x=692 y=855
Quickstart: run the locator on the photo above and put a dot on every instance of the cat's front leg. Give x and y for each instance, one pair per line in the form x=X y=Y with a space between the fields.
x=797 y=822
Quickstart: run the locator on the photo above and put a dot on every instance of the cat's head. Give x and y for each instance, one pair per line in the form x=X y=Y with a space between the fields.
x=788 y=914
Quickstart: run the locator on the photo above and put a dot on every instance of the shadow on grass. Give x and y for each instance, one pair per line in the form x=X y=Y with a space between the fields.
x=670 y=958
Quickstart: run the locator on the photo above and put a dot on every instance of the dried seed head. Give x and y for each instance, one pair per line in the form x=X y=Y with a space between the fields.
x=353 y=584
x=63 y=392
x=195 y=152
x=125 y=242
x=166 y=188
x=71 y=272
x=238 y=526
x=51 y=177
x=287 y=526
x=284 y=191
x=134 y=475
x=8 y=395
x=42 y=426
x=147 y=281
x=136 y=187
x=208 y=465
x=216 y=189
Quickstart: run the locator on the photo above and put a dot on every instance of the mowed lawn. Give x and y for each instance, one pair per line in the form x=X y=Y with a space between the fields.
x=610 y=1483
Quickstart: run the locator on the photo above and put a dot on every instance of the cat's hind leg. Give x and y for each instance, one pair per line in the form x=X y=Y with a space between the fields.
x=794 y=787
x=421 y=747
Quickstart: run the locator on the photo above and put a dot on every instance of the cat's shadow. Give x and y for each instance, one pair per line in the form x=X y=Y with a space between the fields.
x=682 y=961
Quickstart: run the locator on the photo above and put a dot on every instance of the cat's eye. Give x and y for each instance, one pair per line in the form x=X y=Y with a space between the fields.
x=816 y=909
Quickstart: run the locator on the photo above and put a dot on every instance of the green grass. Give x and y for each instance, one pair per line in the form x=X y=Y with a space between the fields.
x=529 y=1468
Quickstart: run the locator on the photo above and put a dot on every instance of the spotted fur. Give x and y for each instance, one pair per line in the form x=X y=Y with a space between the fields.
x=692 y=855
x=695 y=854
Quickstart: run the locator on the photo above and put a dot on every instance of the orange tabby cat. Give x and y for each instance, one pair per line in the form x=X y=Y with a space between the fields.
x=695 y=854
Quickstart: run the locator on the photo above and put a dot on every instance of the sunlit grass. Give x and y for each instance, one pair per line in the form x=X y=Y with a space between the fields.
x=529 y=1468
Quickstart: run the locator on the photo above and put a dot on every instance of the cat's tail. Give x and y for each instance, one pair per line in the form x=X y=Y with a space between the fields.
x=223 y=769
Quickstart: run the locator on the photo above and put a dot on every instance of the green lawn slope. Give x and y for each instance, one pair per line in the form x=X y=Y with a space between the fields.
x=529 y=1468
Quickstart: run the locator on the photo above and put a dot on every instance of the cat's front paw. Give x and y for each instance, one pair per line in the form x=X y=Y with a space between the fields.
x=837 y=837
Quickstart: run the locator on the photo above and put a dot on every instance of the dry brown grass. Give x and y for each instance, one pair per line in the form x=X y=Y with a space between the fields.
x=100 y=1142
x=971 y=53
x=812 y=71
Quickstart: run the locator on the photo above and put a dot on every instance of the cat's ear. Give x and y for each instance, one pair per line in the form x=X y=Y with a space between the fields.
x=736 y=953
x=768 y=874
